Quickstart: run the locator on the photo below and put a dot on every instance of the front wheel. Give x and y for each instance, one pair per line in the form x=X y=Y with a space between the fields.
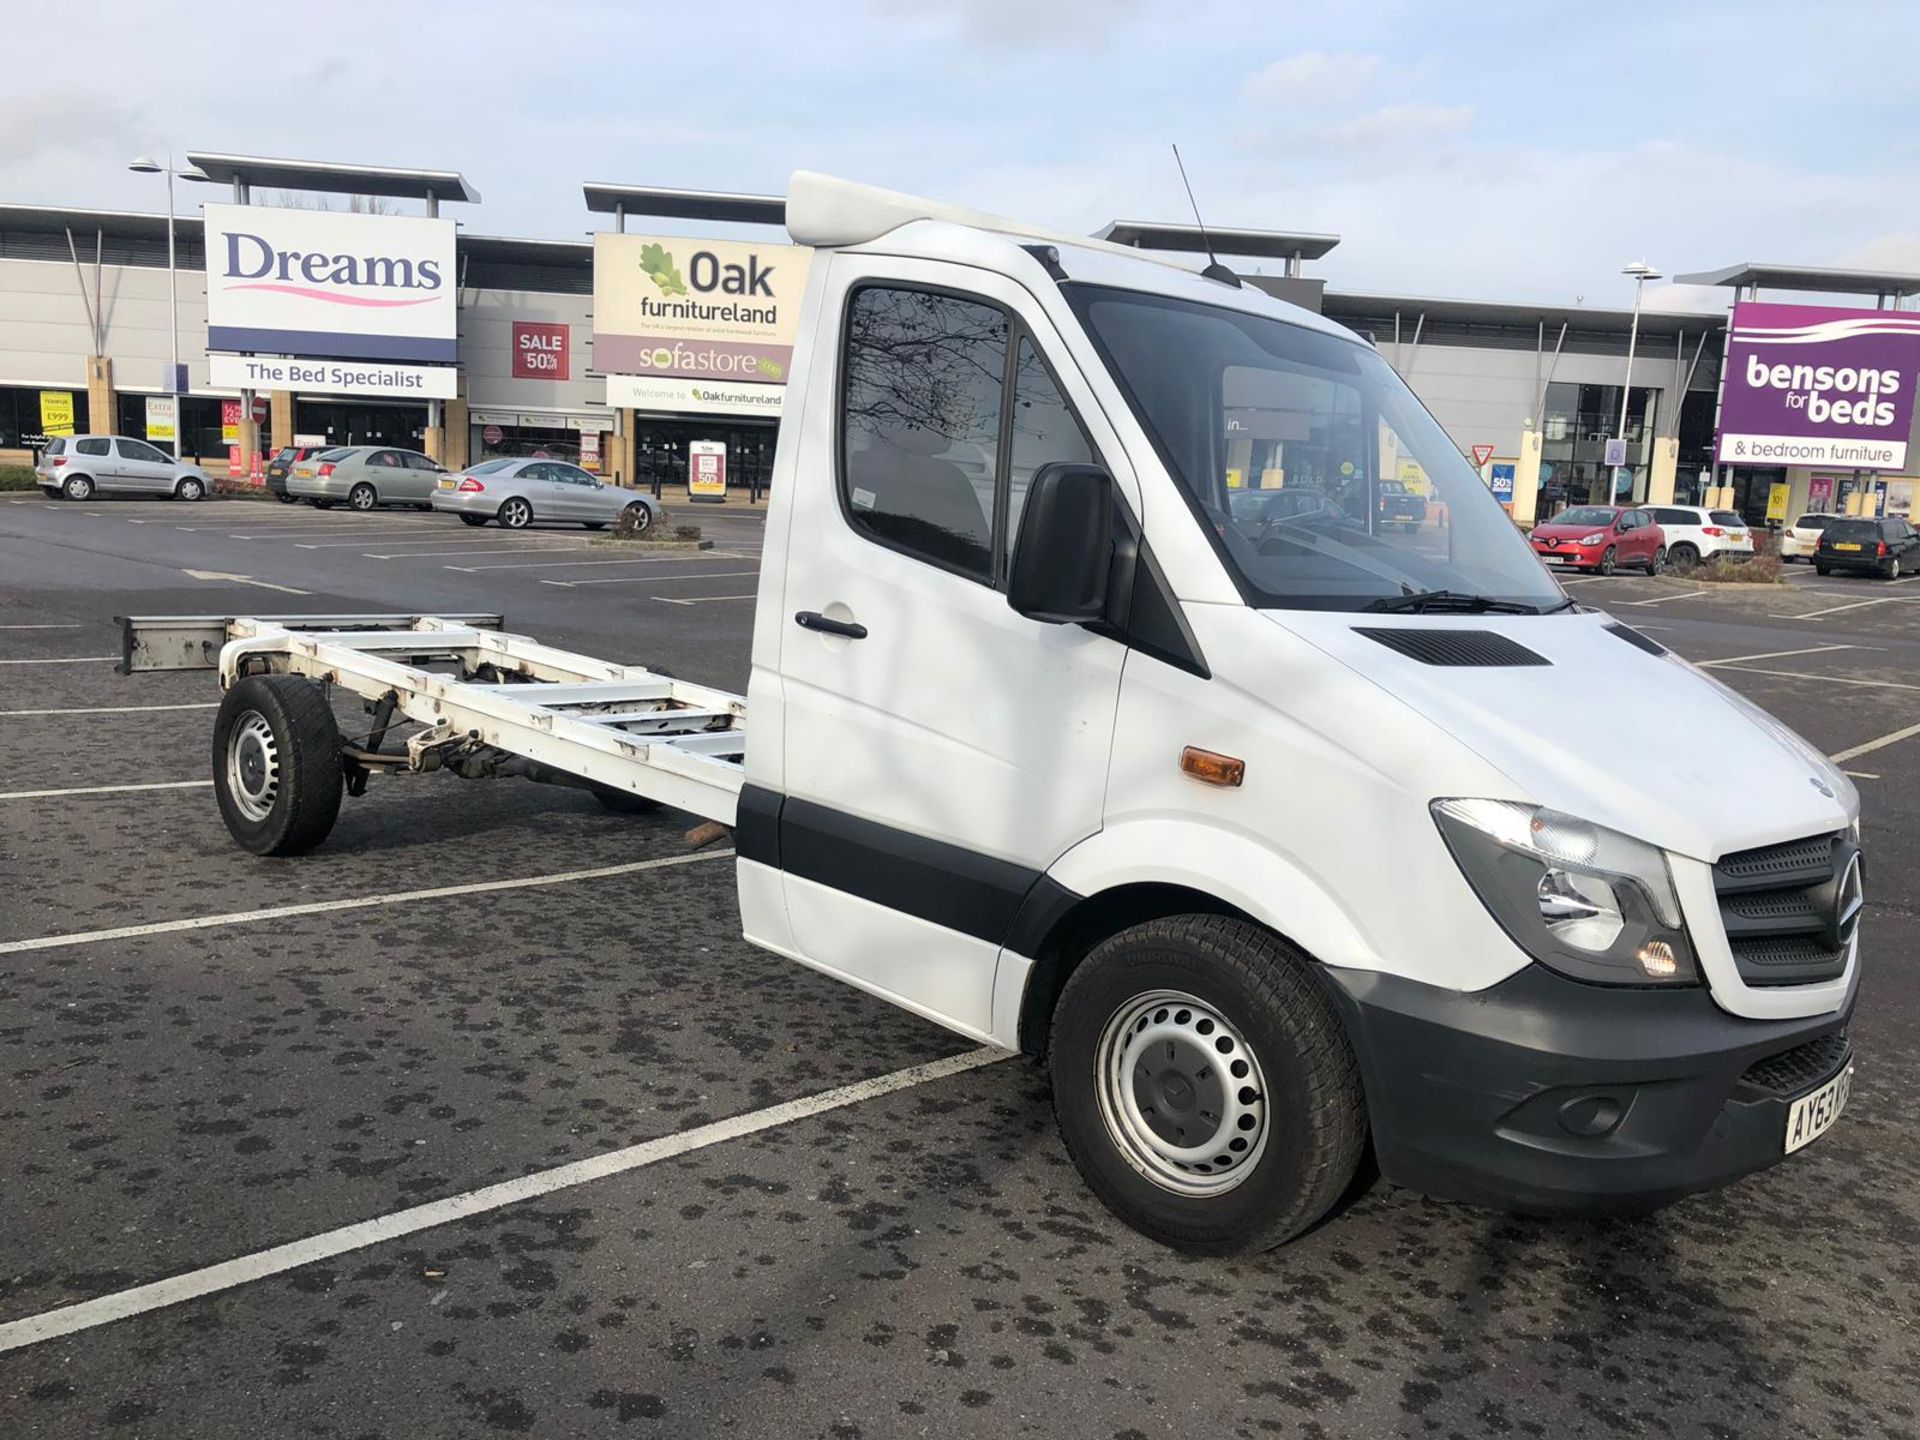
x=276 y=764
x=1658 y=562
x=474 y=520
x=362 y=497
x=640 y=517
x=1204 y=1086
x=1608 y=560
x=190 y=488
x=516 y=514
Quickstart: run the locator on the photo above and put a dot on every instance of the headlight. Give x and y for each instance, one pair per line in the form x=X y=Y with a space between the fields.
x=1593 y=539
x=1588 y=902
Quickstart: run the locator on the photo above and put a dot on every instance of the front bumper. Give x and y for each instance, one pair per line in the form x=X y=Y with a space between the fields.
x=1571 y=557
x=1544 y=1095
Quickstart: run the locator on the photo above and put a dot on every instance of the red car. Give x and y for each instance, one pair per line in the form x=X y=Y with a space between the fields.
x=1601 y=538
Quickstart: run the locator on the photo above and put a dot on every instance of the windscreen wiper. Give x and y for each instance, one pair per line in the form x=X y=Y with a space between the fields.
x=1451 y=602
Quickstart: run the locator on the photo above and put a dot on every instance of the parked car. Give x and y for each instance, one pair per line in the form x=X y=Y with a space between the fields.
x=1695 y=533
x=518 y=492
x=80 y=466
x=1401 y=505
x=1601 y=538
x=281 y=465
x=1253 y=510
x=1802 y=537
x=365 y=476
x=1887 y=548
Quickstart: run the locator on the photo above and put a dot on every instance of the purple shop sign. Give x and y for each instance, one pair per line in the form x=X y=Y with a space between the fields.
x=1806 y=385
x=691 y=359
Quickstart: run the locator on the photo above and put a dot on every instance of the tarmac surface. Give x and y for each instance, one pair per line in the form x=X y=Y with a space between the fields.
x=914 y=1255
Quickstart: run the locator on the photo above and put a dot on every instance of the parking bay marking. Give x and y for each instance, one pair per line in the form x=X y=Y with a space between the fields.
x=280 y=1258
x=683 y=558
x=64 y=660
x=656 y=579
x=109 y=709
x=231 y=579
x=42 y=627
x=699 y=599
x=104 y=790
x=1824 y=679
x=1771 y=655
x=1855 y=605
x=1855 y=752
x=357 y=902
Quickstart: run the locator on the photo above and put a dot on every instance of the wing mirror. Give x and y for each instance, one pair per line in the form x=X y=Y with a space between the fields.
x=1063 y=556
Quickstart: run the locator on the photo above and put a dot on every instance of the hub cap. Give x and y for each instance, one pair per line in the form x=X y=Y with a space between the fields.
x=253 y=766
x=1181 y=1093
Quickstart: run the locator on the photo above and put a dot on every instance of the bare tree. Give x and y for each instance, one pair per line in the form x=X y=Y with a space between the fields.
x=313 y=200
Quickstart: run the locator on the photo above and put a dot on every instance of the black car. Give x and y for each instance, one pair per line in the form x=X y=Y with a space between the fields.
x=1888 y=548
x=1401 y=505
x=281 y=463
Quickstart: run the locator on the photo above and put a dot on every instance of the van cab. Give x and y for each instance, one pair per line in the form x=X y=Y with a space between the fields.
x=1281 y=832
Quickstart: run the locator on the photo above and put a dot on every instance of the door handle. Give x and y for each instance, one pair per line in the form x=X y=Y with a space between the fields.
x=814 y=620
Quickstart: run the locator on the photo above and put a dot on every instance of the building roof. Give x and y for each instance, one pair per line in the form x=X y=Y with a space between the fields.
x=1808 y=277
x=687 y=204
x=55 y=219
x=335 y=179
x=1505 y=312
x=1261 y=244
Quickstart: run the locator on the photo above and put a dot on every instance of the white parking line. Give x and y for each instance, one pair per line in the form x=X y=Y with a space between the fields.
x=1842 y=756
x=476 y=550
x=1856 y=605
x=280 y=1258
x=104 y=789
x=42 y=627
x=110 y=709
x=64 y=660
x=357 y=902
x=1859 y=774
x=682 y=558
x=1770 y=655
x=699 y=599
x=1663 y=599
x=652 y=579
x=1824 y=679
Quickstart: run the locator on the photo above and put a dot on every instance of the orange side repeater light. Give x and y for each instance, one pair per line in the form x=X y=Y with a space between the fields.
x=1212 y=768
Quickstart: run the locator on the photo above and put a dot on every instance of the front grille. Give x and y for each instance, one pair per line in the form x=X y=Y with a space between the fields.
x=1789 y=910
x=1801 y=1068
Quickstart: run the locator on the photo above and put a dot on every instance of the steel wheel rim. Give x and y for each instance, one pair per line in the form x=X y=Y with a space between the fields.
x=1182 y=1093
x=190 y=489
x=253 y=766
x=81 y=488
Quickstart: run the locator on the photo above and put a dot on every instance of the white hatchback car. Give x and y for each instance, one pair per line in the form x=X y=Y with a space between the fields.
x=1800 y=539
x=1695 y=533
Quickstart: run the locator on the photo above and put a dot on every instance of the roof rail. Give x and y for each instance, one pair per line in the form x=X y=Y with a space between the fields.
x=825 y=211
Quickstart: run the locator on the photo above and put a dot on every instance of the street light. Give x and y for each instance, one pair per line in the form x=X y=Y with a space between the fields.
x=144 y=166
x=1641 y=272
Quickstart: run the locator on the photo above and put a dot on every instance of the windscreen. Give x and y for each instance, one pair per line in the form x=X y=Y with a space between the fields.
x=1371 y=502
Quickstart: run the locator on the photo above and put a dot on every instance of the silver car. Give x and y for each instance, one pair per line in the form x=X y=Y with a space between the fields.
x=81 y=466
x=365 y=476
x=519 y=492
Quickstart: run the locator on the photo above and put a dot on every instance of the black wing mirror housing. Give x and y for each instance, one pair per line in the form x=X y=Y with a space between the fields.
x=1063 y=556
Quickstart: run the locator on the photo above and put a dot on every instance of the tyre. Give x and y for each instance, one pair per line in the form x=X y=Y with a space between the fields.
x=362 y=497
x=1608 y=561
x=473 y=519
x=190 y=488
x=322 y=504
x=1684 y=556
x=276 y=764
x=285 y=499
x=642 y=514
x=1204 y=1086
x=1820 y=569
x=1658 y=562
x=623 y=802
x=1892 y=568
x=77 y=487
x=516 y=514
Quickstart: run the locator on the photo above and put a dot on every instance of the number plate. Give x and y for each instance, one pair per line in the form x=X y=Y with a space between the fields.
x=1813 y=1115
x=1843 y=545
x=446 y=482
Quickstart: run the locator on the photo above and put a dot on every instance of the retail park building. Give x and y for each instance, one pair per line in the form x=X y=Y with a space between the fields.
x=467 y=346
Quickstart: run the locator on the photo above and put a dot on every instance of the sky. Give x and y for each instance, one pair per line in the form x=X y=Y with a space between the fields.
x=1493 y=150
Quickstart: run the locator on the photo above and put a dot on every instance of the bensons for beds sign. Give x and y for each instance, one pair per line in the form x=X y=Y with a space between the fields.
x=1807 y=385
x=330 y=284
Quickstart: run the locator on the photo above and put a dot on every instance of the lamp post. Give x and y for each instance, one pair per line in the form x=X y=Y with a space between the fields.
x=1641 y=272
x=144 y=166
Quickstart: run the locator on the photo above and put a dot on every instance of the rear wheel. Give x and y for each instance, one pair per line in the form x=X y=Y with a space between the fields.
x=516 y=514
x=276 y=764
x=189 y=488
x=1820 y=569
x=1204 y=1086
x=1684 y=555
x=1892 y=570
x=473 y=520
x=362 y=497
x=1608 y=561
x=77 y=487
x=1658 y=562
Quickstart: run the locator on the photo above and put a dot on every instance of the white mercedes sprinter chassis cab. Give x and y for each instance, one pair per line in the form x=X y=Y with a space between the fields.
x=1103 y=710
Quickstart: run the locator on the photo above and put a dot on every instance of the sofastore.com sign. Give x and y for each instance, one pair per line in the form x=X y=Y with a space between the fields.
x=330 y=284
x=1807 y=385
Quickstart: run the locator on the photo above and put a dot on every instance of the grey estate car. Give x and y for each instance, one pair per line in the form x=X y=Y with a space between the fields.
x=364 y=476
x=81 y=466
x=518 y=492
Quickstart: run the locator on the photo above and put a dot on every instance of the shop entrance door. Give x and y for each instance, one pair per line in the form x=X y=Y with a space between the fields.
x=660 y=452
x=361 y=422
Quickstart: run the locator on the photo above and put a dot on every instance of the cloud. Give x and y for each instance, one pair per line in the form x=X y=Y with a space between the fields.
x=1313 y=75
x=1899 y=251
x=43 y=125
x=1398 y=125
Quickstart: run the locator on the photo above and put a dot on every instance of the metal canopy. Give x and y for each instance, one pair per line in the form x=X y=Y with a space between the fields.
x=1260 y=244
x=686 y=204
x=1751 y=274
x=334 y=179
x=1505 y=312
x=53 y=219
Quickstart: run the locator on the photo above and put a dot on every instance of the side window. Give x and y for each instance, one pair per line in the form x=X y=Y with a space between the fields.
x=90 y=447
x=540 y=470
x=573 y=475
x=923 y=375
x=419 y=462
x=140 y=450
x=1044 y=430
